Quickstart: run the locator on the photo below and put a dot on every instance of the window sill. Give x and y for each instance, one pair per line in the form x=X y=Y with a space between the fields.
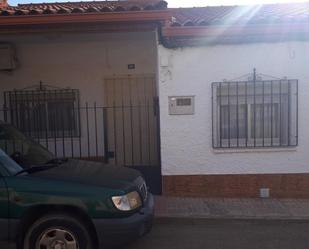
x=254 y=150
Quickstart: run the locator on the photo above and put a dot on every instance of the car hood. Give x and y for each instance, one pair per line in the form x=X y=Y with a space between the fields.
x=91 y=173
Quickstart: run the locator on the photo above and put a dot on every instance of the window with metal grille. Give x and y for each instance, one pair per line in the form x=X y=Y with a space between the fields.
x=260 y=113
x=44 y=113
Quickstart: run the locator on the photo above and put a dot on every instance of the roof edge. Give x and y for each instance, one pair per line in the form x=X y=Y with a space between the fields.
x=133 y=16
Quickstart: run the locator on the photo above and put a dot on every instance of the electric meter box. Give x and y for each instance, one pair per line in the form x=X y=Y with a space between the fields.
x=181 y=105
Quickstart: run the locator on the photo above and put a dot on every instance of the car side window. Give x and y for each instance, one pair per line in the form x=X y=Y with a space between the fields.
x=21 y=148
x=8 y=164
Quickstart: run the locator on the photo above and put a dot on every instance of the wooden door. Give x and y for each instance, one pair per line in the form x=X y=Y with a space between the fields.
x=132 y=122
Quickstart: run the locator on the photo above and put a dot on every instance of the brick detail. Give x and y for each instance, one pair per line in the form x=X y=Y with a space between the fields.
x=237 y=186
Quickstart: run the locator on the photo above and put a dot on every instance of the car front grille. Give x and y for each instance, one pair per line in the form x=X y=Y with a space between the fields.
x=143 y=191
x=142 y=188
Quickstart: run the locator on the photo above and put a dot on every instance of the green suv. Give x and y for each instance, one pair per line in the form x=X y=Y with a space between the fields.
x=52 y=203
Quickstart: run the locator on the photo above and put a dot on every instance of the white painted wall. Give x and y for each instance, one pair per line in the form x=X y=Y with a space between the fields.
x=79 y=60
x=187 y=140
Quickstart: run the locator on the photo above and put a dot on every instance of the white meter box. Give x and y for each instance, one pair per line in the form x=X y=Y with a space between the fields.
x=181 y=105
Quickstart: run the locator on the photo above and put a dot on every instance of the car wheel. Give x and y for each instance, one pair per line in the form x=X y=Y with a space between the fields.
x=57 y=232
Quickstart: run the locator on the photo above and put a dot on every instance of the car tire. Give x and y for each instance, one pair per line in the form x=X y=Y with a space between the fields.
x=57 y=231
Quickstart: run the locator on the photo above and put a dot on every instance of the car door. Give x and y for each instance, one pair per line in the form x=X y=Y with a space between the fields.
x=4 y=212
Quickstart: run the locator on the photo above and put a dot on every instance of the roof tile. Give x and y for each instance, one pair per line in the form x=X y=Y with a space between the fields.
x=254 y=14
x=201 y=16
x=82 y=7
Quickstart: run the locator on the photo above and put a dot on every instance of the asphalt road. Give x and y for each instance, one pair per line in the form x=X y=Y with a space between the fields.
x=226 y=234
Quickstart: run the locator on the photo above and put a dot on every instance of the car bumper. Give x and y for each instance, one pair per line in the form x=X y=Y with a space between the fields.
x=118 y=231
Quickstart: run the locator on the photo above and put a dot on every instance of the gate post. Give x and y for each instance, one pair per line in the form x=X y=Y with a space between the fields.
x=105 y=132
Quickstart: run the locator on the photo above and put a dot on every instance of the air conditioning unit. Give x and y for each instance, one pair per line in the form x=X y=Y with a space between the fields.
x=7 y=57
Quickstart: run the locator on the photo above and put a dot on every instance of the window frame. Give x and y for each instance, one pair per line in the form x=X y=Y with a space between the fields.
x=19 y=101
x=250 y=141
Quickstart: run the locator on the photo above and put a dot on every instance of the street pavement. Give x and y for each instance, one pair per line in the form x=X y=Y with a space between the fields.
x=225 y=234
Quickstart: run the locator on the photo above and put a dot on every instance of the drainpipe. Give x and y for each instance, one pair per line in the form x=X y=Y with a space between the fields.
x=162 y=39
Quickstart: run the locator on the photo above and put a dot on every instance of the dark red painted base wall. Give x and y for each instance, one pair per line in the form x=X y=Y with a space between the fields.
x=234 y=186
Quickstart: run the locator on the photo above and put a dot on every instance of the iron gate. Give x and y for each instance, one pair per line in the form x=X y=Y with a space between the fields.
x=125 y=135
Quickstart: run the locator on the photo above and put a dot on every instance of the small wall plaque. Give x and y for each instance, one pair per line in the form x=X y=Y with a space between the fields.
x=131 y=66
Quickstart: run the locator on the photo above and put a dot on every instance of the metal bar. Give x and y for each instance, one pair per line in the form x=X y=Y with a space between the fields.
x=246 y=104
x=63 y=132
x=80 y=133
x=132 y=140
x=148 y=126
x=46 y=120
x=123 y=136
x=11 y=108
x=263 y=112
x=220 y=111
x=140 y=131
x=254 y=105
x=12 y=118
x=38 y=113
x=212 y=115
x=20 y=111
x=280 y=110
x=131 y=123
x=229 y=115
x=16 y=110
x=5 y=108
x=271 y=112
x=237 y=113
x=79 y=126
x=72 y=128
x=87 y=122
x=29 y=116
x=55 y=126
x=158 y=131
x=115 y=134
x=105 y=133
x=16 y=124
x=296 y=113
x=95 y=128
x=22 y=121
x=5 y=119
x=34 y=111
x=115 y=126
x=123 y=122
x=289 y=112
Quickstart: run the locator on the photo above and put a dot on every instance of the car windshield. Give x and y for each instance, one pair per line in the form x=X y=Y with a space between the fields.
x=21 y=148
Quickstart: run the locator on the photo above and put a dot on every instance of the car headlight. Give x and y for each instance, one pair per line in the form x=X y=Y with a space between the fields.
x=127 y=202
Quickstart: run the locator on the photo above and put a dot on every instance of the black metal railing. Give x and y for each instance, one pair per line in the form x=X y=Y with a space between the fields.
x=124 y=135
x=255 y=113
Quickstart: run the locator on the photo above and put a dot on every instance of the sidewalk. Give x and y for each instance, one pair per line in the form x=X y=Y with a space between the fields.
x=221 y=208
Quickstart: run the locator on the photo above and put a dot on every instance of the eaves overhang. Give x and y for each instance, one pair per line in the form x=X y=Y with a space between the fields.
x=11 y=24
x=222 y=34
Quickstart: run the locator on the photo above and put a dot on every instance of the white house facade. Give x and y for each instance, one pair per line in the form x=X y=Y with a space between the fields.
x=204 y=101
x=187 y=142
